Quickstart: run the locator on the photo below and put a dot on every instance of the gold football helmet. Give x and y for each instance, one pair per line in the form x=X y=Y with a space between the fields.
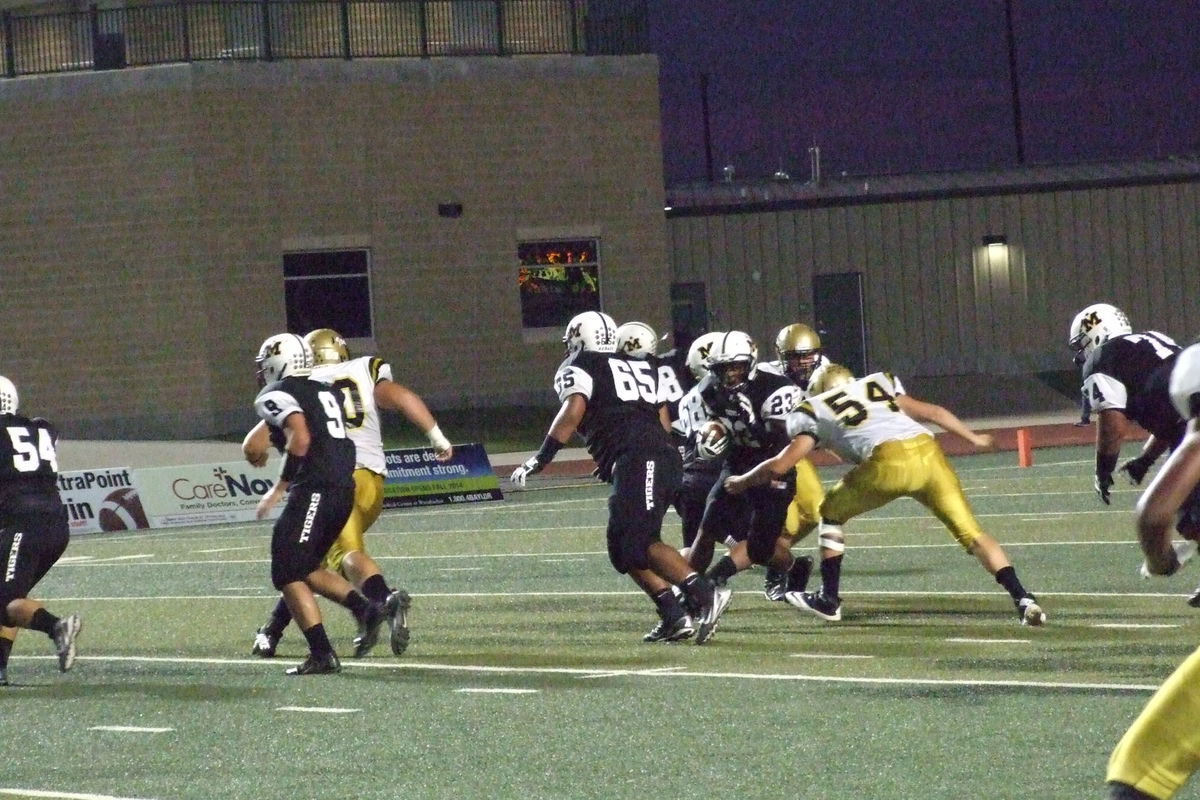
x=328 y=346
x=799 y=349
x=829 y=378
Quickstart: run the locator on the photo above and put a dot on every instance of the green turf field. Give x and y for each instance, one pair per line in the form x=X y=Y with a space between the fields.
x=527 y=677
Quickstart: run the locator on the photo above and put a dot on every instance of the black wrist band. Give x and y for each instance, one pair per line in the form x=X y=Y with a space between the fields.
x=550 y=448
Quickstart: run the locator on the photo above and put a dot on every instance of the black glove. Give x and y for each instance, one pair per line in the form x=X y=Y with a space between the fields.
x=1102 y=486
x=1135 y=469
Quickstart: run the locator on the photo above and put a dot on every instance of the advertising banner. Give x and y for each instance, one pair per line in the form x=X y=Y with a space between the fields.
x=203 y=494
x=416 y=478
x=101 y=500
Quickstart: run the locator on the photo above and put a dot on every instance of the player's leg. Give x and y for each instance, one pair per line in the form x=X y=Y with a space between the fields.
x=1161 y=749
x=803 y=517
x=30 y=544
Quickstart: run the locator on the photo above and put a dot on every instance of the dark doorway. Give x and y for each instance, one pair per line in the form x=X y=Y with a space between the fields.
x=838 y=300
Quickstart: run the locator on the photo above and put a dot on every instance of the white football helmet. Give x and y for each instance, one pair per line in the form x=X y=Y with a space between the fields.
x=8 y=396
x=1185 y=383
x=328 y=346
x=733 y=349
x=1094 y=326
x=697 y=356
x=282 y=355
x=637 y=339
x=592 y=330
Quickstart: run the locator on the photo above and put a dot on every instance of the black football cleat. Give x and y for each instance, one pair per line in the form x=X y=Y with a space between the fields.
x=316 y=665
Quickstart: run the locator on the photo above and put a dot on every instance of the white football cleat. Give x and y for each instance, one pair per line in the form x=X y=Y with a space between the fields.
x=1185 y=550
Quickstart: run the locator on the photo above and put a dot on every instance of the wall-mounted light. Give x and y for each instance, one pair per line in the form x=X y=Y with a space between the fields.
x=995 y=240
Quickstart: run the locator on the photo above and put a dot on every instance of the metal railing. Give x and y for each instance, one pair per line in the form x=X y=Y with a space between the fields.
x=265 y=30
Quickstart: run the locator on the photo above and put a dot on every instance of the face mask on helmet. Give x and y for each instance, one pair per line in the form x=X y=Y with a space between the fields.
x=829 y=378
x=8 y=396
x=594 y=331
x=637 y=339
x=732 y=358
x=698 y=352
x=281 y=356
x=1094 y=326
x=327 y=345
x=799 y=350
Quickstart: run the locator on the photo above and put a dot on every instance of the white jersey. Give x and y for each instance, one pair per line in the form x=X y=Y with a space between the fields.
x=852 y=420
x=1185 y=383
x=355 y=382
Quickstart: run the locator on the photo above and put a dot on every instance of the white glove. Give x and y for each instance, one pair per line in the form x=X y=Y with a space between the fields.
x=1185 y=549
x=530 y=467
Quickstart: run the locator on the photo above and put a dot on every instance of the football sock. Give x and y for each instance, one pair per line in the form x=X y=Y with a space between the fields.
x=43 y=621
x=376 y=588
x=358 y=604
x=318 y=641
x=1007 y=577
x=5 y=649
x=831 y=576
x=722 y=571
x=800 y=569
x=667 y=604
x=281 y=615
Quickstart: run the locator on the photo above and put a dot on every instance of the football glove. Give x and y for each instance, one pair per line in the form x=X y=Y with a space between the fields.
x=1135 y=469
x=530 y=467
x=1103 y=487
x=1184 y=551
x=712 y=442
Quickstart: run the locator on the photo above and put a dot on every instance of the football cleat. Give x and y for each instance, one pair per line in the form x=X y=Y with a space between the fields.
x=826 y=607
x=775 y=585
x=1030 y=612
x=396 y=607
x=676 y=630
x=65 y=631
x=369 y=627
x=264 y=644
x=1194 y=600
x=706 y=624
x=316 y=665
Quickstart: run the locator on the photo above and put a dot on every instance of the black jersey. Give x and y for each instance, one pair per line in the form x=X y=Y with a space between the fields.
x=1131 y=373
x=756 y=415
x=331 y=455
x=28 y=461
x=622 y=396
x=674 y=379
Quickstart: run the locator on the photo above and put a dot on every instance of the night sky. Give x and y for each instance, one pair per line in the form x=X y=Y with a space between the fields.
x=885 y=86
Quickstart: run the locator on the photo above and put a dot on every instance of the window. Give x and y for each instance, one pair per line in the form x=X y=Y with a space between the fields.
x=557 y=279
x=329 y=289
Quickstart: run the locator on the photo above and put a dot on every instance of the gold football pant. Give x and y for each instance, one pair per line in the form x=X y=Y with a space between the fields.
x=1161 y=749
x=804 y=512
x=915 y=468
x=368 y=502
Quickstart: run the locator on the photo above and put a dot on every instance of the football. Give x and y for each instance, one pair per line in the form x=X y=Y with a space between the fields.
x=712 y=439
x=122 y=511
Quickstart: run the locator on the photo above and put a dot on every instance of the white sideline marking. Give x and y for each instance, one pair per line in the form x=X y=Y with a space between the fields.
x=1133 y=625
x=61 y=795
x=497 y=691
x=69 y=559
x=461 y=569
x=560 y=560
x=239 y=588
x=616 y=673
x=128 y=729
x=826 y=655
x=320 y=709
x=229 y=549
x=399 y=666
x=968 y=640
x=109 y=559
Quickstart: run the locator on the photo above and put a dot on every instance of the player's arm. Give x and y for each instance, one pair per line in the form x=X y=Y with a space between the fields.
x=397 y=397
x=1163 y=498
x=664 y=419
x=774 y=467
x=944 y=418
x=565 y=423
x=1109 y=435
x=1136 y=468
x=257 y=444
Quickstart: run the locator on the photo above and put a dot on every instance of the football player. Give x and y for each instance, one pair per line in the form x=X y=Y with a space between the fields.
x=34 y=530
x=1125 y=377
x=699 y=472
x=872 y=423
x=363 y=385
x=752 y=406
x=318 y=466
x=798 y=348
x=1161 y=749
x=614 y=403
